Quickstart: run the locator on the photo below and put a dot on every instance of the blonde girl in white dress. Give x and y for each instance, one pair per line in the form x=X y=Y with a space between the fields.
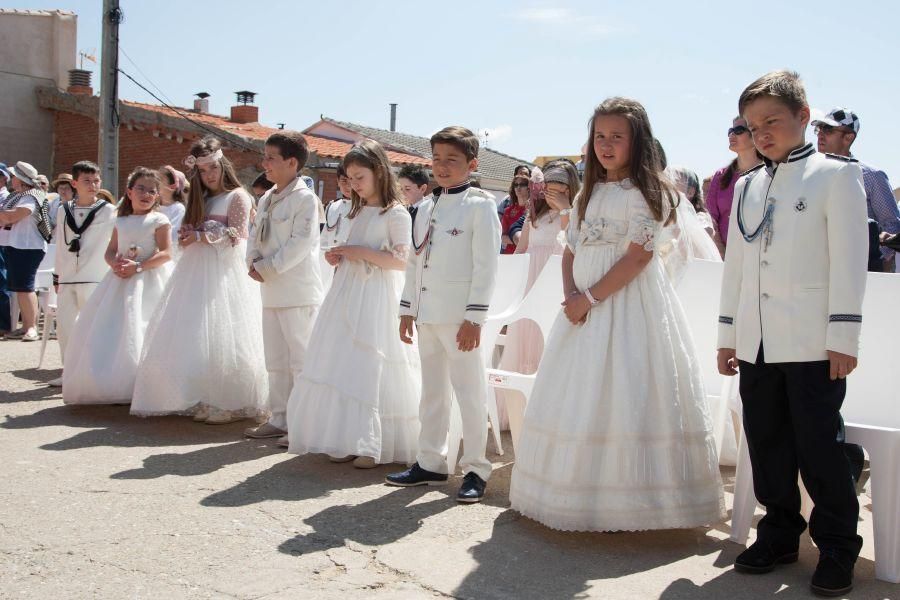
x=204 y=351
x=357 y=397
x=105 y=345
x=617 y=434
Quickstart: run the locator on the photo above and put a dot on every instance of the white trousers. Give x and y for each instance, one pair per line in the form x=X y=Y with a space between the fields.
x=286 y=333
x=446 y=369
x=70 y=299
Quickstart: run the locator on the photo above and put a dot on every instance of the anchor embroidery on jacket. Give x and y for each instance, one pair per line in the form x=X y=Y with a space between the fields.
x=800 y=206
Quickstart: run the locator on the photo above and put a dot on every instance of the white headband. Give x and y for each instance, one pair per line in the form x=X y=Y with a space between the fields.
x=191 y=161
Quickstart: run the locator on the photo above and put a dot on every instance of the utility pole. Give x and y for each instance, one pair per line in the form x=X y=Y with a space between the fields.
x=109 y=97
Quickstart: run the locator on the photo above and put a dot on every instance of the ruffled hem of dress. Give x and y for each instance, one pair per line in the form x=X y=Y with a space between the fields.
x=553 y=521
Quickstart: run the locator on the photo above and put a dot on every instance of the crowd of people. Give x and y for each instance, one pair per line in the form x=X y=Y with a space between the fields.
x=348 y=329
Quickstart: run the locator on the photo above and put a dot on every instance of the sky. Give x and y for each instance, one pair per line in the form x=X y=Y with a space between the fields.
x=528 y=73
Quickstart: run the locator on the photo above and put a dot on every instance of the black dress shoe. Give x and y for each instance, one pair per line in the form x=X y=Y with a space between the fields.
x=472 y=489
x=416 y=475
x=833 y=577
x=761 y=557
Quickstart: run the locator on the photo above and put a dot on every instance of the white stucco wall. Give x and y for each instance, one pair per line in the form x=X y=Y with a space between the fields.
x=38 y=49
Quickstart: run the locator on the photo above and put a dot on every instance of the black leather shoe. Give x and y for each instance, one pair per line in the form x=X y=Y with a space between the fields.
x=472 y=489
x=833 y=577
x=416 y=475
x=761 y=557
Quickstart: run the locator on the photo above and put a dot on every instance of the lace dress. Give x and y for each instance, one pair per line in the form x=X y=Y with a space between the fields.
x=617 y=434
x=358 y=393
x=204 y=345
x=106 y=341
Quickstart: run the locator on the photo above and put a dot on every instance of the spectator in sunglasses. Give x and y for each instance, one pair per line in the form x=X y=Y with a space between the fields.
x=721 y=187
x=518 y=204
x=504 y=204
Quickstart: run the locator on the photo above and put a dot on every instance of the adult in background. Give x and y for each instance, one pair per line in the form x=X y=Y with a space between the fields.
x=516 y=209
x=64 y=191
x=504 y=204
x=721 y=187
x=4 y=297
x=25 y=246
x=835 y=133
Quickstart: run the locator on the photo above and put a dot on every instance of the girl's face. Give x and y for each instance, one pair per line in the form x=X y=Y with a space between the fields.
x=521 y=188
x=143 y=195
x=362 y=181
x=211 y=176
x=612 y=144
x=65 y=192
x=165 y=194
x=557 y=190
x=739 y=136
x=344 y=186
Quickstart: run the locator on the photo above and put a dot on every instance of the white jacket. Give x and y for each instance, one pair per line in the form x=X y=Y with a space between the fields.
x=284 y=247
x=451 y=274
x=803 y=294
x=89 y=264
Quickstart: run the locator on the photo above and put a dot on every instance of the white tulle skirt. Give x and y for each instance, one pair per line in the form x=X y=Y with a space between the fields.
x=617 y=434
x=359 y=390
x=204 y=345
x=105 y=346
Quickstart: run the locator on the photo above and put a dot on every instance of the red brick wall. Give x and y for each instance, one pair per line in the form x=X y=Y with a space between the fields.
x=76 y=138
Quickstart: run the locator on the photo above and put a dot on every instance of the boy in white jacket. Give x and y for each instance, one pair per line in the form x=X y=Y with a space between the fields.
x=283 y=255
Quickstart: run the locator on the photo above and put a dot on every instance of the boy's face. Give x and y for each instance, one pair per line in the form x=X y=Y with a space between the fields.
x=65 y=191
x=277 y=168
x=776 y=129
x=450 y=165
x=412 y=192
x=344 y=185
x=87 y=185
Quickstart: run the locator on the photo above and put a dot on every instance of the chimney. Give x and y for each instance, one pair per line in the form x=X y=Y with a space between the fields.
x=393 y=116
x=244 y=111
x=80 y=82
x=201 y=104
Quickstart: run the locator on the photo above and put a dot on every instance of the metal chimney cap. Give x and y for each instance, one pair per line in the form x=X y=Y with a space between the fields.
x=202 y=95
x=245 y=96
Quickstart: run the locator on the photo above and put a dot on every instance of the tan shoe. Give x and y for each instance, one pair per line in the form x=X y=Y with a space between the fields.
x=202 y=414
x=283 y=442
x=264 y=431
x=223 y=417
x=341 y=459
x=364 y=462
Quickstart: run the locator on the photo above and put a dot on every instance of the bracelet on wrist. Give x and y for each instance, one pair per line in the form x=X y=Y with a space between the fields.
x=590 y=297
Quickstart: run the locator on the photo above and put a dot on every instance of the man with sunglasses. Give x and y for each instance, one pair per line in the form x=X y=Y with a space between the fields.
x=835 y=133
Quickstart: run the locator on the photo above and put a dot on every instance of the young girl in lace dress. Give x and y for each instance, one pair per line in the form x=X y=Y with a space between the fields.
x=105 y=345
x=358 y=394
x=204 y=352
x=617 y=434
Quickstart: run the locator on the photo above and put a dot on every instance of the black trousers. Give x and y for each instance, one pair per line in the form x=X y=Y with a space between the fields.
x=792 y=420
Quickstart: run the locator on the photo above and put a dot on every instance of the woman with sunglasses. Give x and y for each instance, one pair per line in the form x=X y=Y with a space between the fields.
x=721 y=187
x=518 y=204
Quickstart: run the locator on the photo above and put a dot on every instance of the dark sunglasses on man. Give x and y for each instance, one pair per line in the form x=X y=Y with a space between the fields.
x=737 y=130
x=829 y=129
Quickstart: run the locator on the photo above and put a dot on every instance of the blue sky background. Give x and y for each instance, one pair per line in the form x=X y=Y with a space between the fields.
x=528 y=72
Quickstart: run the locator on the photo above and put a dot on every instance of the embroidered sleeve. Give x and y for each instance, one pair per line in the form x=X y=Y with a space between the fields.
x=642 y=227
x=238 y=222
x=399 y=233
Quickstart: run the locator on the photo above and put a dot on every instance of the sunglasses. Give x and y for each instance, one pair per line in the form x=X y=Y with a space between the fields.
x=520 y=185
x=737 y=130
x=829 y=129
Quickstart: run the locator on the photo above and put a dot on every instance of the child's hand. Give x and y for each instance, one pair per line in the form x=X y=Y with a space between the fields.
x=406 y=329
x=727 y=359
x=254 y=275
x=576 y=308
x=332 y=258
x=557 y=200
x=469 y=336
x=348 y=252
x=841 y=364
x=125 y=268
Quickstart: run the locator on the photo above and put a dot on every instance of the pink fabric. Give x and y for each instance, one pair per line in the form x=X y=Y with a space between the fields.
x=719 y=202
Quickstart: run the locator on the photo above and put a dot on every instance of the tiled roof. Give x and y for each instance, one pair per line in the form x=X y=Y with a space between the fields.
x=241 y=134
x=491 y=164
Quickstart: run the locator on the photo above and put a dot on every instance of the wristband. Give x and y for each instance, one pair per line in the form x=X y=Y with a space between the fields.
x=473 y=323
x=590 y=297
x=565 y=212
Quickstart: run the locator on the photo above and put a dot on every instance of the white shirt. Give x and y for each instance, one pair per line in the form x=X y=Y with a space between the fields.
x=89 y=264
x=24 y=234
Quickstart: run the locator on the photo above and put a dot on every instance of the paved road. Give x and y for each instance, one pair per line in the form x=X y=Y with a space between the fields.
x=98 y=504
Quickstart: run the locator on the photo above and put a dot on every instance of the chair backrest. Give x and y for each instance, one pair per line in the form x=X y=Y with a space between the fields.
x=542 y=303
x=512 y=279
x=699 y=291
x=873 y=389
x=48 y=263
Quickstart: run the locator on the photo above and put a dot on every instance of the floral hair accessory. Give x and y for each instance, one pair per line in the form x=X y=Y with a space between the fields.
x=536 y=184
x=192 y=161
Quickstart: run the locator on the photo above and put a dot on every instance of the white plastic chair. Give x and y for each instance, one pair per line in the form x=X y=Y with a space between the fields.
x=872 y=421
x=541 y=305
x=509 y=292
x=47 y=304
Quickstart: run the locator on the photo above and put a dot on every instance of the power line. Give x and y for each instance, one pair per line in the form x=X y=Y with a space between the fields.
x=189 y=119
x=144 y=75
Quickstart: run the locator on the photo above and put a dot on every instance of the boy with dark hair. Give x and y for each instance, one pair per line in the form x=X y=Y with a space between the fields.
x=414 y=184
x=84 y=226
x=283 y=256
x=791 y=312
x=449 y=282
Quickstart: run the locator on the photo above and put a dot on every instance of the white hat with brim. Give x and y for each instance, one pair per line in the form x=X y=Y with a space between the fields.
x=25 y=172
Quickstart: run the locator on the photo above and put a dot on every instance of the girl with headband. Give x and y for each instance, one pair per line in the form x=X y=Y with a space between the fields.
x=172 y=197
